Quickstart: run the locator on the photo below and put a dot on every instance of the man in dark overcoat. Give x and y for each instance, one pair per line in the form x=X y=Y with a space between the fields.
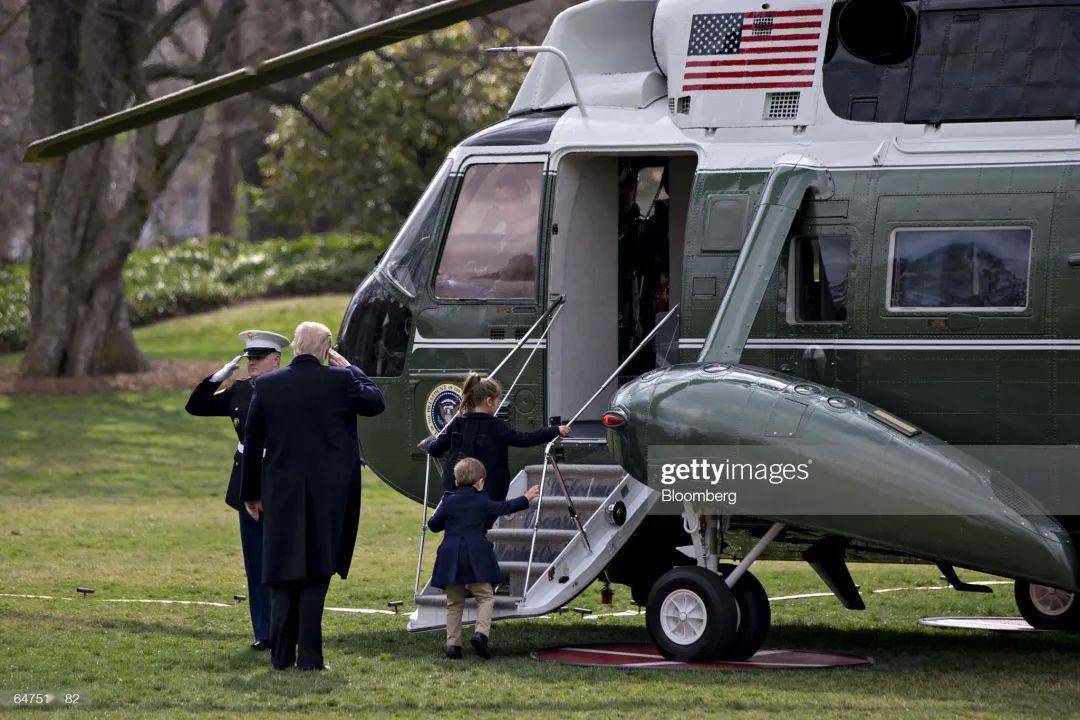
x=212 y=398
x=301 y=473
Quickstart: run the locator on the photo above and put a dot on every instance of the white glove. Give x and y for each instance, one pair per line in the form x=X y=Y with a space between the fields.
x=228 y=369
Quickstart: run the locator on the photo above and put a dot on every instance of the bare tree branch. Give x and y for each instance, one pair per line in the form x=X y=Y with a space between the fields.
x=164 y=25
x=14 y=19
x=280 y=97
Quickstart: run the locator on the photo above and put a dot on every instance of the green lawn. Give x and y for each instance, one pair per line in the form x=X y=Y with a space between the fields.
x=212 y=336
x=122 y=493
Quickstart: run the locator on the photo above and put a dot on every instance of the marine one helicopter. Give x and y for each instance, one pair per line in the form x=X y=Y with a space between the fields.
x=843 y=231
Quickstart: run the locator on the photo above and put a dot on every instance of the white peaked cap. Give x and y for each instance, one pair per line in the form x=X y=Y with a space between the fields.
x=263 y=340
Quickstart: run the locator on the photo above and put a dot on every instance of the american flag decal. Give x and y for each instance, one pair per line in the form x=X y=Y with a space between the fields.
x=773 y=50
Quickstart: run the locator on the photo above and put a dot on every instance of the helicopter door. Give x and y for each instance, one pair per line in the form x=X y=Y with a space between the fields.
x=486 y=289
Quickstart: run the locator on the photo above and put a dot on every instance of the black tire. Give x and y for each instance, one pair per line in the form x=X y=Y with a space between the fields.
x=706 y=595
x=755 y=615
x=1037 y=611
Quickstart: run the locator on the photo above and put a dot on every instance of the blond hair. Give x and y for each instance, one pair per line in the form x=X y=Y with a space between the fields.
x=312 y=338
x=476 y=390
x=468 y=471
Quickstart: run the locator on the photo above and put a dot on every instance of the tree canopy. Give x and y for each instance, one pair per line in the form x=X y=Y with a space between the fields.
x=367 y=141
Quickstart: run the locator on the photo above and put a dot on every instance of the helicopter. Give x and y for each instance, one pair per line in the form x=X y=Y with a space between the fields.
x=831 y=230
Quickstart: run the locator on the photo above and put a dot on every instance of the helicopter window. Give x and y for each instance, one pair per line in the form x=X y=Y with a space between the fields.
x=375 y=332
x=491 y=246
x=959 y=269
x=406 y=254
x=819 y=270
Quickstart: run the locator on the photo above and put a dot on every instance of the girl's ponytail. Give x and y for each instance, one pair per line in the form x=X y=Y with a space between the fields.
x=476 y=390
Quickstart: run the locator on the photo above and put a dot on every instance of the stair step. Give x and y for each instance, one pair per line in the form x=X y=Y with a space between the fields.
x=519 y=534
x=520 y=566
x=502 y=601
x=581 y=502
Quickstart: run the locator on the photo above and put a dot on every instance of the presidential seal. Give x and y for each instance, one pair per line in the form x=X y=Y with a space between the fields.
x=442 y=403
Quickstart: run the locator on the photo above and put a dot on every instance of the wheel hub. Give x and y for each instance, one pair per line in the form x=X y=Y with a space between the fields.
x=683 y=617
x=1051 y=601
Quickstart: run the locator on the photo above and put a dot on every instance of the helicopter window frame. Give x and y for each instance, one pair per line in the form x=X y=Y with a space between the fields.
x=409 y=237
x=794 y=277
x=457 y=180
x=967 y=309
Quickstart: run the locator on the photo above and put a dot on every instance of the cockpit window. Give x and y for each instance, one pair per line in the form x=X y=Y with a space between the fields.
x=491 y=246
x=404 y=259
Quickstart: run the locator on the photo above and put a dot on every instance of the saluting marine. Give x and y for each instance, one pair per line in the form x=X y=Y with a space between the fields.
x=263 y=352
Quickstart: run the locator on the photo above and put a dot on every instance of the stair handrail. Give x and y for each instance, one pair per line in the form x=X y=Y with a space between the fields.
x=550 y=313
x=550 y=458
x=644 y=341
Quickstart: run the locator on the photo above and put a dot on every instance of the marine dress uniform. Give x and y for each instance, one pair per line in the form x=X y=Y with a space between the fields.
x=209 y=399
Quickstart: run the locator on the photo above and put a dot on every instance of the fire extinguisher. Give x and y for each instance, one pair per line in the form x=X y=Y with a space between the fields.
x=606 y=593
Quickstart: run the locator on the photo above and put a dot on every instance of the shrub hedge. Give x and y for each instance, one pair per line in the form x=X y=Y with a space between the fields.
x=206 y=273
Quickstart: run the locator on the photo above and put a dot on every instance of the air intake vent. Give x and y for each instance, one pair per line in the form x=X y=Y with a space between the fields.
x=519 y=332
x=763 y=26
x=684 y=105
x=781 y=105
x=497 y=333
x=671 y=105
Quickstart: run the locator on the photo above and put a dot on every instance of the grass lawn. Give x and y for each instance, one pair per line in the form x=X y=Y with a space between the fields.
x=212 y=335
x=123 y=493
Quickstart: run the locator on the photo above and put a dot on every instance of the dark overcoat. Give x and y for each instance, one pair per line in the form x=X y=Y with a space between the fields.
x=208 y=401
x=304 y=417
x=465 y=555
x=491 y=437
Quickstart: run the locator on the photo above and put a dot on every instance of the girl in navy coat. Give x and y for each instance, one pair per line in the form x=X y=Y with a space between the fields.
x=477 y=433
x=465 y=559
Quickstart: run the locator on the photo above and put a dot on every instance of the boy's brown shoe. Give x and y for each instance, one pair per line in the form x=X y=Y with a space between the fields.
x=480 y=645
x=453 y=652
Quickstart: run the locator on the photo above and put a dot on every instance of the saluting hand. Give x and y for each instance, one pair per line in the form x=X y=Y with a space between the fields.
x=227 y=369
x=337 y=359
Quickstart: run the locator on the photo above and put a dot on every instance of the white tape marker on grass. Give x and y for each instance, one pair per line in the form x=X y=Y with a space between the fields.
x=364 y=611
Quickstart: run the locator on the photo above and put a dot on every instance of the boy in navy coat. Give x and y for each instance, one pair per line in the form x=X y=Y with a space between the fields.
x=465 y=559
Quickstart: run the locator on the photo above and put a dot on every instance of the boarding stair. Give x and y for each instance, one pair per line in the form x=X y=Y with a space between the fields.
x=550 y=552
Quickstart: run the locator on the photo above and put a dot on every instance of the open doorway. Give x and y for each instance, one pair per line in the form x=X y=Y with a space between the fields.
x=617 y=257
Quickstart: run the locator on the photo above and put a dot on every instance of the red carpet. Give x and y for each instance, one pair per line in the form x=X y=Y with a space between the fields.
x=644 y=655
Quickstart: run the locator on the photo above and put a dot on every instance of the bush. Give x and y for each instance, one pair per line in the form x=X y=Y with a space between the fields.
x=207 y=273
x=14 y=307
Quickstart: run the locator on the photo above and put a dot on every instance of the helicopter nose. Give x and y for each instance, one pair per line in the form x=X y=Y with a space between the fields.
x=375 y=332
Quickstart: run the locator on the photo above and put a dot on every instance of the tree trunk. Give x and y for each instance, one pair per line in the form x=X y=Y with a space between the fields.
x=79 y=322
x=86 y=57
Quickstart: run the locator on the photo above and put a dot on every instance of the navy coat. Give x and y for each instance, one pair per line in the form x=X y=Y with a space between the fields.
x=492 y=437
x=304 y=416
x=208 y=401
x=465 y=555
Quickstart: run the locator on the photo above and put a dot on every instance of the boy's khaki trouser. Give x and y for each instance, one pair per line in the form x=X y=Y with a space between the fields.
x=455 y=605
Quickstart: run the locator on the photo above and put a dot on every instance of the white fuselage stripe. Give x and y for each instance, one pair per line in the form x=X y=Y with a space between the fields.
x=899 y=344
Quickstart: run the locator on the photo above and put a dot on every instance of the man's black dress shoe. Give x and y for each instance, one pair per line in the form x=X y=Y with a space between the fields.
x=480 y=645
x=453 y=652
x=261 y=645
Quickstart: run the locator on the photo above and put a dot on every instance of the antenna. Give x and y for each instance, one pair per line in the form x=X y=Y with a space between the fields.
x=536 y=50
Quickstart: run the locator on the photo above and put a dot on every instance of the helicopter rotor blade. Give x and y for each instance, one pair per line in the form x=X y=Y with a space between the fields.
x=283 y=67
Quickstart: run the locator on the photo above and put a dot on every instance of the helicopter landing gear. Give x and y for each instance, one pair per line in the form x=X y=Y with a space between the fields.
x=692 y=615
x=1047 y=608
x=695 y=614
